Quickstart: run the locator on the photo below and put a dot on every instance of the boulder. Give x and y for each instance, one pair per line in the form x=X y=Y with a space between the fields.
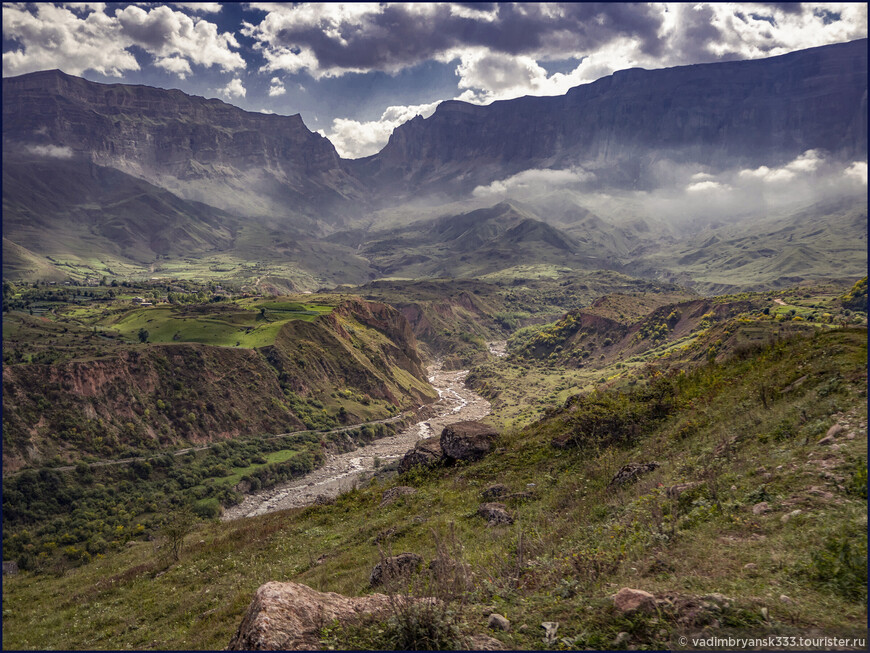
x=495 y=492
x=396 y=566
x=760 y=508
x=484 y=643
x=834 y=431
x=499 y=622
x=288 y=616
x=425 y=453
x=630 y=472
x=467 y=440
x=631 y=600
x=395 y=492
x=495 y=513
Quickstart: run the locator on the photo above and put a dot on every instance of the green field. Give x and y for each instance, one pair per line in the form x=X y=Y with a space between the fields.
x=223 y=326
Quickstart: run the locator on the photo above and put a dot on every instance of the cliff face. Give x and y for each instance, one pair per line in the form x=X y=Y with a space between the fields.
x=155 y=396
x=204 y=150
x=721 y=114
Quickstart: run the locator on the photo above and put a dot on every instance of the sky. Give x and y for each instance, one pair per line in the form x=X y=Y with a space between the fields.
x=356 y=71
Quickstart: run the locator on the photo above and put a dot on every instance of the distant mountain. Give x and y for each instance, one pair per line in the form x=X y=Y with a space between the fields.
x=205 y=150
x=764 y=111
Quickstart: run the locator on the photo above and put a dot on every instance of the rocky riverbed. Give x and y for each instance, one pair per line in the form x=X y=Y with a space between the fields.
x=455 y=403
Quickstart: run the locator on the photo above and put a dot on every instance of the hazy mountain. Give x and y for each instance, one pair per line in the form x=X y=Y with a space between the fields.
x=205 y=150
x=764 y=111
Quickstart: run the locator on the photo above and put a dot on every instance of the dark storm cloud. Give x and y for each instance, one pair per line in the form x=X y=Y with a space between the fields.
x=396 y=36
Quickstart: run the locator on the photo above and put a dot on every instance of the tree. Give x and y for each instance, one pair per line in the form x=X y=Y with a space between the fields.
x=143 y=334
x=180 y=522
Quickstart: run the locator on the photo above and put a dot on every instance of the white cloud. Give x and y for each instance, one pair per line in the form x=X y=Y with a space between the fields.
x=235 y=89
x=858 y=172
x=197 y=7
x=807 y=163
x=354 y=139
x=534 y=181
x=51 y=151
x=47 y=36
x=276 y=87
x=707 y=187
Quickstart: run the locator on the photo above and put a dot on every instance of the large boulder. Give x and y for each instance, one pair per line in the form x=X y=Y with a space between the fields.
x=396 y=566
x=467 y=440
x=288 y=616
x=495 y=513
x=425 y=453
x=632 y=600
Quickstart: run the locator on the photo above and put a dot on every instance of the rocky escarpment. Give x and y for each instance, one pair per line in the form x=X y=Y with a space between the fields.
x=204 y=150
x=153 y=396
x=721 y=114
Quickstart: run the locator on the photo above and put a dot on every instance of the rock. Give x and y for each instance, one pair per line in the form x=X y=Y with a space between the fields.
x=822 y=494
x=10 y=567
x=631 y=600
x=396 y=566
x=384 y=534
x=834 y=431
x=467 y=440
x=494 y=492
x=495 y=513
x=395 y=492
x=425 y=453
x=498 y=622
x=484 y=643
x=550 y=628
x=850 y=436
x=789 y=516
x=720 y=600
x=323 y=500
x=828 y=439
x=288 y=616
x=750 y=566
x=621 y=639
x=760 y=508
x=630 y=472
x=764 y=613
x=785 y=599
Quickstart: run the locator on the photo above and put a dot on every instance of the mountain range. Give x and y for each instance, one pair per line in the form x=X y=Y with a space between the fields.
x=99 y=178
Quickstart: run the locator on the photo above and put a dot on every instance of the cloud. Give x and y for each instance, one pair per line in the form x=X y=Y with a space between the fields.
x=83 y=36
x=535 y=181
x=235 y=89
x=51 y=151
x=354 y=139
x=806 y=163
x=858 y=172
x=707 y=187
x=197 y=7
x=276 y=87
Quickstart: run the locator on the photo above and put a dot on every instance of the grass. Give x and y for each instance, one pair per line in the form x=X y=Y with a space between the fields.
x=574 y=542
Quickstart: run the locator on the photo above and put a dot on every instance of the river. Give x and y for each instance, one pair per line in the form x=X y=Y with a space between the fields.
x=456 y=403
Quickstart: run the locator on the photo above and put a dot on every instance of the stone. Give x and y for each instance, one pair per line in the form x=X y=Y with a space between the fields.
x=495 y=513
x=467 y=440
x=425 y=453
x=750 y=566
x=288 y=616
x=621 y=639
x=789 y=516
x=323 y=500
x=828 y=439
x=484 y=643
x=834 y=431
x=760 y=508
x=632 y=600
x=395 y=492
x=631 y=472
x=396 y=566
x=785 y=599
x=675 y=491
x=495 y=491
x=550 y=629
x=499 y=622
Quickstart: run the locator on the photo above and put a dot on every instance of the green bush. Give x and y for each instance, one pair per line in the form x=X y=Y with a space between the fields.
x=840 y=564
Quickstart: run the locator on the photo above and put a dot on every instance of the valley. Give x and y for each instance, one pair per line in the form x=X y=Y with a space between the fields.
x=577 y=371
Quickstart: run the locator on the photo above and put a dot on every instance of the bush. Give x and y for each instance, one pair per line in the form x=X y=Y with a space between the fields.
x=840 y=564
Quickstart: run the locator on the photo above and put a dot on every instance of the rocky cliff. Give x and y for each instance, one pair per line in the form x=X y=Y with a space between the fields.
x=734 y=113
x=204 y=150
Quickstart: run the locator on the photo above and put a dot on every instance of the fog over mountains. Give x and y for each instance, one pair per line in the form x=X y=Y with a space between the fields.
x=612 y=174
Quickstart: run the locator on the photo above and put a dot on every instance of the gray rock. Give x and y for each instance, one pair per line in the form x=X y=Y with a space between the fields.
x=789 y=516
x=499 y=622
x=834 y=431
x=396 y=566
x=760 y=508
x=632 y=600
x=621 y=639
x=425 y=453
x=495 y=491
x=550 y=629
x=828 y=439
x=495 y=513
x=467 y=440
x=631 y=472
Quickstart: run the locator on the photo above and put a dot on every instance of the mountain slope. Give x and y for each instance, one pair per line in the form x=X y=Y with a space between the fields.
x=745 y=112
x=204 y=150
